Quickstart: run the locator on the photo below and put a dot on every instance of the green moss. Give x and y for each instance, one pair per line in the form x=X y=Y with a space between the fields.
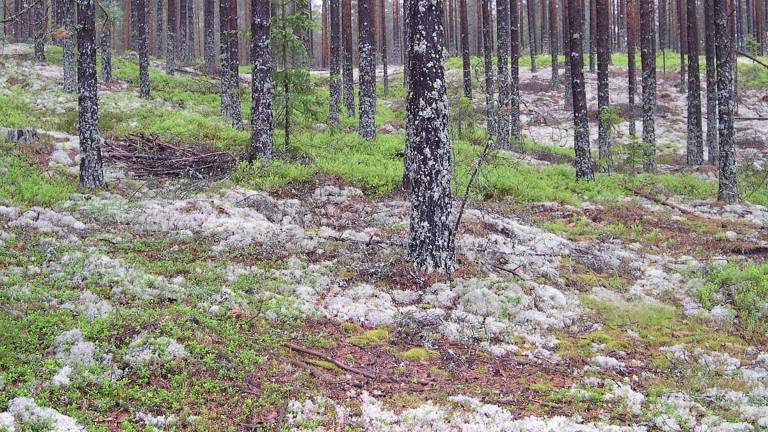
x=371 y=337
x=322 y=364
x=27 y=185
x=417 y=354
x=747 y=289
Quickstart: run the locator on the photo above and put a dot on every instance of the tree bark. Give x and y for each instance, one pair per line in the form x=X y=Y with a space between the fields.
x=261 y=83
x=335 y=73
x=603 y=93
x=580 y=119
x=430 y=238
x=568 y=99
x=695 y=148
x=367 y=72
x=170 y=43
x=728 y=184
x=141 y=17
x=648 y=60
x=681 y=25
x=209 y=32
x=490 y=110
x=532 y=32
x=710 y=56
x=230 y=80
x=347 y=72
x=325 y=47
x=41 y=25
x=159 y=28
x=106 y=50
x=515 y=129
x=70 y=74
x=553 y=38
x=91 y=172
x=502 y=51
x=384 y=59
x=593 y=32
x=464 y=24
x=396 y=46
x=631 y=69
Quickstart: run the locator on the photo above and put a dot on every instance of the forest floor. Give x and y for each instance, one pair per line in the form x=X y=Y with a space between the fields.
x=205 y=294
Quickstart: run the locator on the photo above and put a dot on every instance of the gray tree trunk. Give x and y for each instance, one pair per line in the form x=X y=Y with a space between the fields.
x=695 y=147
x=502 y=55
x=261 y=83
x=170 y=42
x=209 y=32
x=710 y=56
x=106 y=52
x=728 y=185
x=580 y=119
x=532 y=32
x=490 y=109
x=40 y=27
x=230 y=79
x=91 y=172
x=515 y=129
x=159 y=27
x=430 y=239
x=464 y=25
x=648 y=61
x=348 y=77
x=566 y=48
x=141 y=16
x=367 y=72
x=70 y=74
x=335 y=72
x=553 y=38
x=602 y=37
x=631 y=20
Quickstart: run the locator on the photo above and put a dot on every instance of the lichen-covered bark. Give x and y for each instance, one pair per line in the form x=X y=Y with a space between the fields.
x=159 y=27
x=430 y=240
x=384 y=59
x=170 y=43
x=141 y=16
x=580 y=121
x=592 y=13
x=466 y=72
x=490 y=110
x=405 y=38
x=695 y=147
x=68 y=43
x=366 y=128
x=91 y=172
x=728 y=185
x=515 y=129
x=502 y=51
x=631 y=73
x=230 y=80
x=567 y=65
x=532 y=32
x=681 y=21
x=347 y=75
x=209 y=32
x=106 y=52
x=183 y=42
x=40 y=27
x=397 y=51
x=261 y=82
x=553 y=41
x=603 y=93
x=335 y=73
x=710 y=56
x=648 y=61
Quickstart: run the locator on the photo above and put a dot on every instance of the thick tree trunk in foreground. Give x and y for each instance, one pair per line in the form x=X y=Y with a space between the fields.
x=710 y=55
x=695 y=147
x=430 y=239
x=631 y=20
x=170 y=43
x=91 y=172
x=464 y=24
x=553 y=38
x=728 y=185
x=532 y=32
x=502 y=50
x=261 y=83
x=648 y=61
x=70 y=74
x=348 y=77
x=335 y=73
x=141 y=16
x=490 y=110
x=367 y=74
x=209 y=32
x=515 y=129
x=580 y=119
x=603 y=93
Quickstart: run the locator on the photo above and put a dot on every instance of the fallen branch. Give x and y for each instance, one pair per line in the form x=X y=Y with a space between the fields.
x=337 y=363
x=753 y=58
x=18 y=15
x=478 y=164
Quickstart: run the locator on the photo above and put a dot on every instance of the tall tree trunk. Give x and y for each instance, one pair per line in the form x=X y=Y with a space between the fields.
x=553 y=38
x=580 y=119
x=41 y=24
x=593 y=32
x=325 y=47
x=70 y=74
x=632 y=80
x=159 y=28
x=695 y=148
x=209 y=32
x=367 y=71
x=681 y=25
x=728 y=184
x=648 y=60
x=91 y=172
x=532 y=32
x=335 y=74
x=261 y=83
x=397 y=52
x=170 y=43
x=430 y=237
x=406 y=20
x=384 y=60
x=183 y=42
x=602 y=26
x=464 y=24
x=143 y=45
x=490 y=110
x=515 y=129
x=568 y=99
x=502 y=50
x=347 y=72
x=106 y=50
x=711 y=61
x=230 y=80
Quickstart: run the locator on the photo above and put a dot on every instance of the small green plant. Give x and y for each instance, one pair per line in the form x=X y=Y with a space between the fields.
x=745 y=288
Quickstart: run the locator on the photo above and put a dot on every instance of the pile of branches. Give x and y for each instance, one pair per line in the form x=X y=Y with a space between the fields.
x=148 y=156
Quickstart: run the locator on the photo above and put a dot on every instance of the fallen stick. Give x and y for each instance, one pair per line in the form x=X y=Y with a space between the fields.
x=340 y=365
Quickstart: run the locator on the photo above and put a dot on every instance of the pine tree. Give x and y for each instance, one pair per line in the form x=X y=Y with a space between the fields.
x=695 y=148
x=515 y=130
x=383 y=43
x=710 y=56
x=367 y=72
x=553 y=38
x=230 y=79
x=631 y=73
x=397 y=51
x=681 y=25
x=603 y=93
x=464 y=24
x=347 y=69
x=91 y=172
x=502 y=50
x=41 y=21
x=159 y=27
x=430 y=238
x=580 y=120
x=568 y=99
x=335 y=73
x=106 y=46
x=490 y=110
x=261 y=82
x=141 y=17
x=728 y=184
x=532 y=32
x=592 y=13
x=70 y=74
x=648 y=61
x=209 y=32
x=170 y=42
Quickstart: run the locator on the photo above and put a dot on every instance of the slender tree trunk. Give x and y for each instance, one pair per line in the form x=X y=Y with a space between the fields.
x=106 y=50
x=490 y=110
x=648 y=60
x=532 y=32
x=553 y=38
x=170 y=43
x=396 y=46
x=632 y=80
x=728 y=185
x=141 y=18
x=261 y=83
x=593 y=32
x=515 y=129
x=406 y=20
x=580 y=119
x=230 y=80
x=335 y=74
x=464 y=24
x=367 y=72
x=325 y=47
x=711 y=61
x=603 y=93
x=502 y=50
x=347 y=72
x=70 y=74
x=183 y=42
x=159 y=28
x=681 y=25
x=384 y=59
x=430 y=237
x=41 y=24
x=91 y=172
x=695 y=148
x=567 y=49
x=209 y=32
